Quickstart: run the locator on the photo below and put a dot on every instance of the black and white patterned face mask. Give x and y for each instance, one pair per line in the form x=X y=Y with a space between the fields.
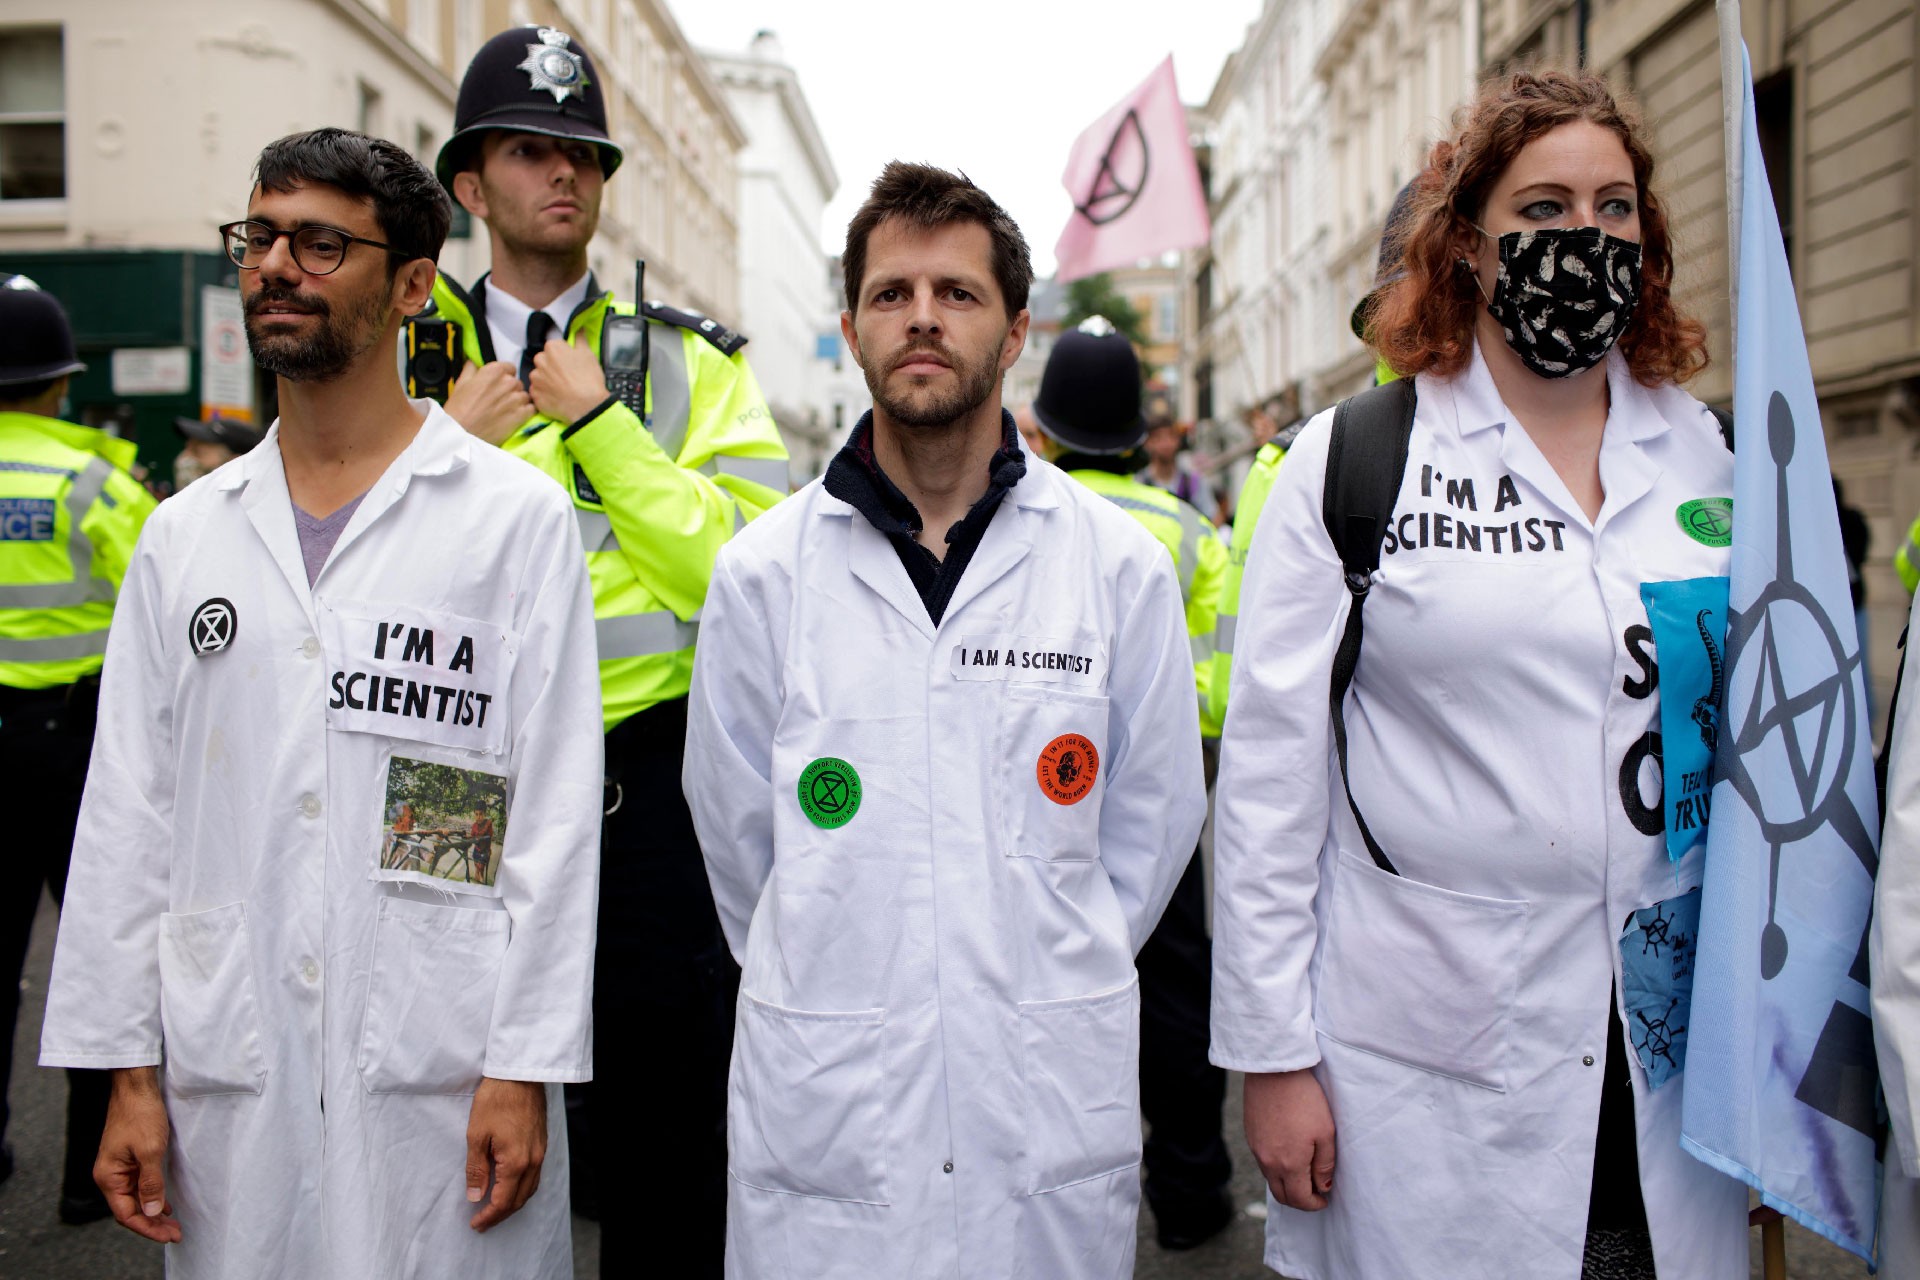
x=1563 y=295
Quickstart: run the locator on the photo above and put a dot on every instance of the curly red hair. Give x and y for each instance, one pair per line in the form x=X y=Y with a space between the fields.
x=1424 y=321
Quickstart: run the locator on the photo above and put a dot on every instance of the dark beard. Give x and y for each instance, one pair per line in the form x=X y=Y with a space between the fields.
x=326 y=355
x=977 y=382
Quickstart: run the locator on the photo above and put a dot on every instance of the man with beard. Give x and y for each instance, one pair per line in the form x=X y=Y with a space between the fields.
x=944 y=762
x=371 y=609
x=659 y=478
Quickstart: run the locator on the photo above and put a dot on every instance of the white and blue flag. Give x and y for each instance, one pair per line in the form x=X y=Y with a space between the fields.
x=1780 y=1084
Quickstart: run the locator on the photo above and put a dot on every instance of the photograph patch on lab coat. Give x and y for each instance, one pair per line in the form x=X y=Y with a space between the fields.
x=442 y=825
x=422 y=675
x=1689 y=620
x=214 y=626
x=1067 y=768
x=1081 y=663
x=1656 y=983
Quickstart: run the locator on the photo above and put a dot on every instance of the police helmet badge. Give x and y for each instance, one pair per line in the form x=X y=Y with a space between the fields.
x=552 y=66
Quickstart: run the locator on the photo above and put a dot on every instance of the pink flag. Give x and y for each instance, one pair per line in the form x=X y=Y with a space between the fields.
x=1135 y=186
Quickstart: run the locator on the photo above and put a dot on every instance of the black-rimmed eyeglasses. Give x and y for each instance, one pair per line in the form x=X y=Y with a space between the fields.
x=317 y=250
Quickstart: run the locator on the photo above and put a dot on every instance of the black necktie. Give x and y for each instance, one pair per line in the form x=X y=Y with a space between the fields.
x=539 y=326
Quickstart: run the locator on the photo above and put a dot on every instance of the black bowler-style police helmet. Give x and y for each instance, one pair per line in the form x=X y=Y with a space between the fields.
x=36 y=342
x=528 y=80
x=1090 y=391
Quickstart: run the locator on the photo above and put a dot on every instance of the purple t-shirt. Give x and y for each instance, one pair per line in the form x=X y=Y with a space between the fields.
x=318 y=535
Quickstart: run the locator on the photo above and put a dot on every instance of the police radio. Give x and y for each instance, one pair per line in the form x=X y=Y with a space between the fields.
x=624 y=349
x=434 y=357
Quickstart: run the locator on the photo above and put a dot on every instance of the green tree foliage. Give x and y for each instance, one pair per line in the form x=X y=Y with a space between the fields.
x=1096 y=296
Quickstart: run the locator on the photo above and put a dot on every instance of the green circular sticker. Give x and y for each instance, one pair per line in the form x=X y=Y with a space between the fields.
x=1708 y=521
x=829 y=792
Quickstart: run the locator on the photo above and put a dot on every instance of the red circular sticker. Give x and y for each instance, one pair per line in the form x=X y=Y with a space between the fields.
x=1068 y=765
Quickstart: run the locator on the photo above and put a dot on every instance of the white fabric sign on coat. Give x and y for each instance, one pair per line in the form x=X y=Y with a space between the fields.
x=935 y=1070
x=1503 y=739
x=322 y=1030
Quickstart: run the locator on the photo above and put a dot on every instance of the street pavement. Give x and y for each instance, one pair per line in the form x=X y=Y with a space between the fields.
x=35 y=1246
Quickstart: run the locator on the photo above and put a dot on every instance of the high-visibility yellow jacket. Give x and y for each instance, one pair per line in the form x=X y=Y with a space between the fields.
x=1246 y=513
x=69 y=516
x=655 y=500
x=1199 y=561
x=1906 y=561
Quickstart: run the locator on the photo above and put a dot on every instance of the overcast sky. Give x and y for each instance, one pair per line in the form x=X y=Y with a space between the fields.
x=999 y=88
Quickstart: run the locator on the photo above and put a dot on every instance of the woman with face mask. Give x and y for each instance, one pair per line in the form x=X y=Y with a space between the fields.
x=1462 y=1016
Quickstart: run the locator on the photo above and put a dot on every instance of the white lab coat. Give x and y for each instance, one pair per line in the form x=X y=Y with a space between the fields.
x=1893 y=950
x=935 y=1067
x=1457 y=1014
x=322 y=1030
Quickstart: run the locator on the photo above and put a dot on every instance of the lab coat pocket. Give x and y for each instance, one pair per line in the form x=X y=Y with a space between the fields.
x=430 y=997
x=1053 y=761
x=1420 y=974
x=209 y=1011
x=1080 y=1071
x=805 y=1115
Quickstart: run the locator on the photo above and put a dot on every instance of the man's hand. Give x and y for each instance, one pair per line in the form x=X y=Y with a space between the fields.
x=131 y=1166
x=489 y=401
x=507 y=1138
x=1290 y=1131
x=567 y=383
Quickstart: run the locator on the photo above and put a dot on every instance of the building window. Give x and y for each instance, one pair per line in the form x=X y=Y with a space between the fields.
x=423 y=26
x=369 y=114
x=1773 y=121
x=1167 y=318
x=33 y=111
x=468 y=15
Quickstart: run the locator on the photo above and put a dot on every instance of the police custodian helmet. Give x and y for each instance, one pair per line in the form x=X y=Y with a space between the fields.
x=36 y=342
x=1090 y=391
x=528 y=80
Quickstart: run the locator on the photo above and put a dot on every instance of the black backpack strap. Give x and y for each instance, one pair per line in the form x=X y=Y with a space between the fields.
x=1725 y=418
x=1881 y=761
x=1366 y=458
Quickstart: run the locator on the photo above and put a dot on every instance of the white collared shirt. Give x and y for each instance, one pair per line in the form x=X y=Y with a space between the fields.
x=507 y=316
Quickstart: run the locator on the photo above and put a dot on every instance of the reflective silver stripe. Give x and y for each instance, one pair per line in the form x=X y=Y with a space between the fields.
x=768 y=473
x=81 y=588
x=672 y=398
x=1201 y=648
x=1137 y=504
x=739 y=518
x=639 y=635
x=1912 y=554
x=36 y=469
x=1223 y=632
x=88 y=644
x=1189 y=534
x=1189 y=548
x=596 y=530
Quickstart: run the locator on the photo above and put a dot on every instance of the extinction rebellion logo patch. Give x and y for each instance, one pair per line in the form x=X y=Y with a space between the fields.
x=1067 y=768
x=829 y=792
x=1708 y=521
x=213 y=627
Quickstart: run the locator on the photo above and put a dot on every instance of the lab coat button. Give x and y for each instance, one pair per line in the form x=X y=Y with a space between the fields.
x=1587 y=1061
x=310 y=647
x=310 y=971
x=947 y=1167
x=310 y=804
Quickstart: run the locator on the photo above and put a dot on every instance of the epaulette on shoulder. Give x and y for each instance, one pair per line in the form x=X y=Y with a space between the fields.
x=712 y=330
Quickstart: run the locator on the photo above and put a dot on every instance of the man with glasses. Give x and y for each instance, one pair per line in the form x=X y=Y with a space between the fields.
x=371 y=609
x=660 y=476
